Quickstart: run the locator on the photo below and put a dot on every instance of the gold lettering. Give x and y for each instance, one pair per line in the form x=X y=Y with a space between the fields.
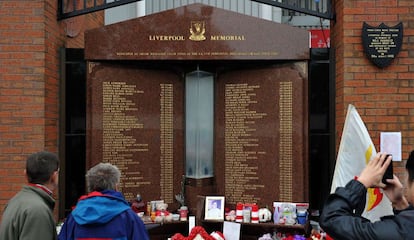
x=124 y=53
x=166 y=38
x=227 y=38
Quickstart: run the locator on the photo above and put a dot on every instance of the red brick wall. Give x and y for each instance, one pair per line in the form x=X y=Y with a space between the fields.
x=22 y=86
x=383 y=97
x=30 y=39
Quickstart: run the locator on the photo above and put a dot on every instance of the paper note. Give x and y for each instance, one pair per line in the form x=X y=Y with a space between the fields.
x=391 y=143
x=231 y=230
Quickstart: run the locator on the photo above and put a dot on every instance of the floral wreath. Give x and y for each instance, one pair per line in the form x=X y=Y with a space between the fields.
x=199 y=233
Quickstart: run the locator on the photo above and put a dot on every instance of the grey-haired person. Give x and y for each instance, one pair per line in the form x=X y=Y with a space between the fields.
x=103 y=213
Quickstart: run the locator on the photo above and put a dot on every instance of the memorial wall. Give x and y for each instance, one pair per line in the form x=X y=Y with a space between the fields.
x=261 y=134
x=137 y=124
x=136 y=104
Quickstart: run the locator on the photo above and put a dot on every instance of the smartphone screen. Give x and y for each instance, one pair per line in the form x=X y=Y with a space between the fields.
x=389 y=172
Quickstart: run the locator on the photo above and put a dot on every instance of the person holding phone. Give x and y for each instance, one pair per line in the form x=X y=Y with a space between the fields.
x=340 y=221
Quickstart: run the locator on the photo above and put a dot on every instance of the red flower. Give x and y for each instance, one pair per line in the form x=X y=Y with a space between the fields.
x=197 y=230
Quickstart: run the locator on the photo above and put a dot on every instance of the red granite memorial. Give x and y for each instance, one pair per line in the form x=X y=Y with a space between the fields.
x=136 y=104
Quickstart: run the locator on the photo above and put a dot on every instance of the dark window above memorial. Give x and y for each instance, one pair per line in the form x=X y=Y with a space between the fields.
x=317 y=8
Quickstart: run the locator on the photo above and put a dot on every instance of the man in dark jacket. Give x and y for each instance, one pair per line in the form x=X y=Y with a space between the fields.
x=103 y=213
x=339 y=220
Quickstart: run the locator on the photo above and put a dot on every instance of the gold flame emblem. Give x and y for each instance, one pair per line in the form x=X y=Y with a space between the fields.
x=197 y=30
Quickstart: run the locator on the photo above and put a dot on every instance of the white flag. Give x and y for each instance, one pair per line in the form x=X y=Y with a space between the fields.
x=355 y=151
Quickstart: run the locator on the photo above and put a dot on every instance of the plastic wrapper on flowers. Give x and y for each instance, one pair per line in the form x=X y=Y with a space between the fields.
x=268 y=236
x=294 y=237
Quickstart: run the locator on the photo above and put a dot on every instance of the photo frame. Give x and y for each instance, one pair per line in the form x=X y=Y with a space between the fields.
x=214 y=208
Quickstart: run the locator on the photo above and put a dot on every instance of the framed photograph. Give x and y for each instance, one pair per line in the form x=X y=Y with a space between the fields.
x=214 y=209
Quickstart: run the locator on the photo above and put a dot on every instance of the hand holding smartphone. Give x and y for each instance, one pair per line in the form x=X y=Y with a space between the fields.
x=389 y=173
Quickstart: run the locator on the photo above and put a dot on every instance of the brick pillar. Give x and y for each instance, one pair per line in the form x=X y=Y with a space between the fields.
x=30 y=39
x=383 y=96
